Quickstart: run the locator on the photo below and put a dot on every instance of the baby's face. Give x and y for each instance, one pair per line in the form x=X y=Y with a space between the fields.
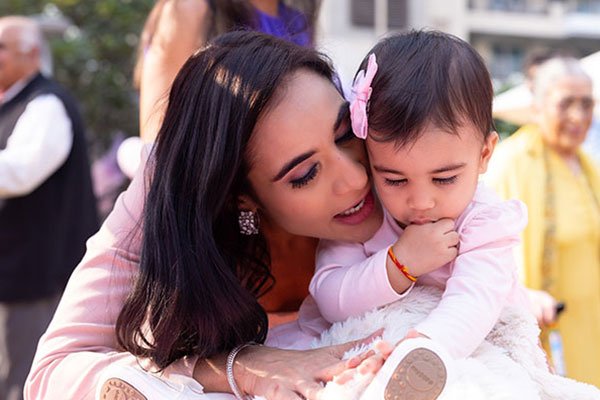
x=432 y=178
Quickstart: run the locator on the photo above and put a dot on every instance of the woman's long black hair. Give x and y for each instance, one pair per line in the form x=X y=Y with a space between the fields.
x=199 y=280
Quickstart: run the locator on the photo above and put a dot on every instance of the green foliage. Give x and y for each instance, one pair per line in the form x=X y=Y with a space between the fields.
x=505 y=128
x=94 y=58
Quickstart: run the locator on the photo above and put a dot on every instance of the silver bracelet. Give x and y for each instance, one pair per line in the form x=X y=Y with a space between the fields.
x=229 y=370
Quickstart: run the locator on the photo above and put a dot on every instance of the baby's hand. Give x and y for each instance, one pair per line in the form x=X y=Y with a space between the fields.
x=424 y=248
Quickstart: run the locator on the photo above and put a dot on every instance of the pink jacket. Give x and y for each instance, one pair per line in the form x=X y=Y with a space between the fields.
x=351 y=278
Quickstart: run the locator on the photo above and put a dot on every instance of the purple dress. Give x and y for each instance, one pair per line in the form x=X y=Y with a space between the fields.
x=290 y=24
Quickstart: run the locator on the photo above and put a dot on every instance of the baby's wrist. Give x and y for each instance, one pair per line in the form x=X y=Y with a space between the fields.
x=399 y=261
x=398 y=280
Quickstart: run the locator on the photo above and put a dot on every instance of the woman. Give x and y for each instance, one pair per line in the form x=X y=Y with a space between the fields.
x=561 y=187
x=256 y=138
x=173 y=31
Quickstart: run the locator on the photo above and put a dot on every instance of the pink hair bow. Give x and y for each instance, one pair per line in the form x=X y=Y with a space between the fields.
x=361 y=93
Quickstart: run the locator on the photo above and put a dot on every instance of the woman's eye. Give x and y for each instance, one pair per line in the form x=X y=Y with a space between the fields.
x=394 y=182
x=309 y=176
x=347 y=136
x=445 y=181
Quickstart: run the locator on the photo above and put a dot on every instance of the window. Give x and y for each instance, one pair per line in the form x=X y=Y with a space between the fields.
x=506 y=59
x=363 y=13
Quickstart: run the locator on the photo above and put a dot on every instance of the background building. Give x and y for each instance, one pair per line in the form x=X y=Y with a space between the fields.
x=503 y=31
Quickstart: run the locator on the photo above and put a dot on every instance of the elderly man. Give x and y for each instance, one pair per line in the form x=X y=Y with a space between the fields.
x=47 y=207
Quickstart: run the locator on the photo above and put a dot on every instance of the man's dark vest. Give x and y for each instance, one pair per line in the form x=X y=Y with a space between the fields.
x=43 y=234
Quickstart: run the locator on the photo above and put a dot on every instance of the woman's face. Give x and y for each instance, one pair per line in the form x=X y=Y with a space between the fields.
x=309 y=172
x=566 y=113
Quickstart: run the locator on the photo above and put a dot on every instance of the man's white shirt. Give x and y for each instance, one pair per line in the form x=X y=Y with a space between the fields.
x=39 y=145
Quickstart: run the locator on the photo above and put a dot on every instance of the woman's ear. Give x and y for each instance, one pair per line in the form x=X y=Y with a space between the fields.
x=487 y=150
x=246 y=203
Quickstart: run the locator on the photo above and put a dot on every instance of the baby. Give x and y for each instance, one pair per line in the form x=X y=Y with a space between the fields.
x=423 y=103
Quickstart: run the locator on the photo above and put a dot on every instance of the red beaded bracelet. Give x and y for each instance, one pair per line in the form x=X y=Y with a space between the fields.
x=400 y=266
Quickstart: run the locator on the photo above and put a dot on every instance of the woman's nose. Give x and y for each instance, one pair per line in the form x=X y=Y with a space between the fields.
x=351 y=176
x=580 y=112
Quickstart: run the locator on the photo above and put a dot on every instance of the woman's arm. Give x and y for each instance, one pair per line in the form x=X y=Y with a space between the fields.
x=182 y=27
x=278 y=374
x=80 y=341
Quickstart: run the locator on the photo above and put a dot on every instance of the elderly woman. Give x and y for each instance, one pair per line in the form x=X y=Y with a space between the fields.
x=543 y=165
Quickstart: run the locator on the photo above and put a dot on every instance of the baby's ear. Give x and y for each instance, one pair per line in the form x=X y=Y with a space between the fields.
x=487 y=150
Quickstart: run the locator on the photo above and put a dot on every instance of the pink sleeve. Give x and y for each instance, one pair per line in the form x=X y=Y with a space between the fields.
x=348 y=283
x=483 y=278
x=80 y=341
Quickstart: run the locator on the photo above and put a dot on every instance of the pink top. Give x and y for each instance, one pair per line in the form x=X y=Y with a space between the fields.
x=80 y=341
x=351 y=278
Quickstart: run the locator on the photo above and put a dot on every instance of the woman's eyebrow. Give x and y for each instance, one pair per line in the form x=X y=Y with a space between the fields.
x=291 y=164
x=343 y=112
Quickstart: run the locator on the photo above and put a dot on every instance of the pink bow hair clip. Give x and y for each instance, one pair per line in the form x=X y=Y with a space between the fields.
x=361 y=93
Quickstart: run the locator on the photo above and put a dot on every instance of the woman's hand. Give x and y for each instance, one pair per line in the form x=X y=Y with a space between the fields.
x=289 y=374
x=368 y=363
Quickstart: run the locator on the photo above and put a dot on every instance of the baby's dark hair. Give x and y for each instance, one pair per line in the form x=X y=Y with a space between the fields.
x=427 y=77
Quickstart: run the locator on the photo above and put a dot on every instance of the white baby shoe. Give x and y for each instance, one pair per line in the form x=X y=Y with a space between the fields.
x=417 y=369
x=124 y=382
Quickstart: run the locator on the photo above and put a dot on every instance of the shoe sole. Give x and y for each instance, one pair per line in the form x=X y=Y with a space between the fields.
x=421 y=375
x=117 y=389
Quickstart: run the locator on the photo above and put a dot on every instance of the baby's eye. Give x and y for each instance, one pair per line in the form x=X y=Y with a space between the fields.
x=395 y=182
x=445 y=181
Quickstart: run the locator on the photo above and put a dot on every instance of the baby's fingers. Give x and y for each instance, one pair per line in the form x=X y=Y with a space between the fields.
x=446 y=225
x=385 y=348
x=371 y=365
x=451 y=239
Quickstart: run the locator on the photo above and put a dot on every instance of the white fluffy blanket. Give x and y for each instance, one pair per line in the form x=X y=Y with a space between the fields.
x=509 y=364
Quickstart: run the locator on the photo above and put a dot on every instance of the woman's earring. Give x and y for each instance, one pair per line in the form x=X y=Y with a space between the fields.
x=248 y=221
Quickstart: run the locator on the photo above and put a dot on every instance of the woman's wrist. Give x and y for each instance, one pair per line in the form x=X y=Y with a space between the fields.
x=231 y=363
x=211 y=373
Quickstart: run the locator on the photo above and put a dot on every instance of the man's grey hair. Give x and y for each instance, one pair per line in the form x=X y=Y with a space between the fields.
x=29 y=33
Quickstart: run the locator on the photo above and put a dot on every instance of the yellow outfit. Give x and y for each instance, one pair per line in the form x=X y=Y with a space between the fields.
x=522 y=168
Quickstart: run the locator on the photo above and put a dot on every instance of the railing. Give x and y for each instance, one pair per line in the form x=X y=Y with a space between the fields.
x=537 y=6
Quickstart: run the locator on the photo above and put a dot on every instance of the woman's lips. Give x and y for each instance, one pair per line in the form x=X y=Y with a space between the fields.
x=358 y=213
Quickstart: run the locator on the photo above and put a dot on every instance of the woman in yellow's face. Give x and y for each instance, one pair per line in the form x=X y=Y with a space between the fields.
x=565 y=113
